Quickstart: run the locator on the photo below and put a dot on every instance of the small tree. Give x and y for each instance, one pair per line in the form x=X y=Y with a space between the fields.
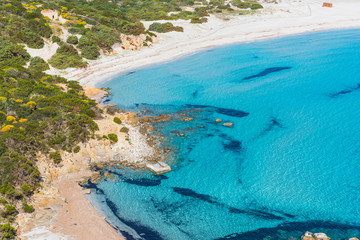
x=28 y=208
x=38 y=64
x=26 y=189
x=72 y=39
x=56 y=157
x=117 y=120
x=76 y=149
x=124 y=130
x=113 y=137
x=55 y=39
x=8 y=232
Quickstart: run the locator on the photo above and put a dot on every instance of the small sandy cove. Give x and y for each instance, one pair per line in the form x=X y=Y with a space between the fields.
x=288 y=17
x=63 y=212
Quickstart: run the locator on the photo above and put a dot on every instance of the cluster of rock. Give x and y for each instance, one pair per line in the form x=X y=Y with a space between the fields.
x=131 y=42
x=95 y=93
x=314 y=236
x=226 y=124
x=318 y=236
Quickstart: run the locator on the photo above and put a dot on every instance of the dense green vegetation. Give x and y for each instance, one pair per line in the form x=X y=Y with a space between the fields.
x=66 y=56
x=39 y=114
x=99 y=22
x=252 y=4
x=23 y=26
x=164 y=27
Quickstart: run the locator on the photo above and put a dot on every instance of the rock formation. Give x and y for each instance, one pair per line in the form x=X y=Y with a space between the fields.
x=228 y=124
x=131 y=42
x=314 y=236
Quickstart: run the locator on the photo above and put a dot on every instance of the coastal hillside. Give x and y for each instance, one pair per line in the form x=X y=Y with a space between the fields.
x=43 y=116
x=67 y=34
x=39 y=115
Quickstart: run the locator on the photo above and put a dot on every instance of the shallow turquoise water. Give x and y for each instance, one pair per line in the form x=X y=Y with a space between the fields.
x=291 y=163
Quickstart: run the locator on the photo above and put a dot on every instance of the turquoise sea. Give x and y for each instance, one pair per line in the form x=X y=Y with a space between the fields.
x=291 y=163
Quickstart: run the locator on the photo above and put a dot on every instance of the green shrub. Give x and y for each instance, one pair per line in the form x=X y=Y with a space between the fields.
x=246 y=4
x=117 y=120
x=133 y=28
x=76 y=149
x=104 y=36
x=26 y=189
x=62 y=61
x=124 y=130
x=90 y=52
x=38 y=64
x=256 y=6
x=66 y=56
x=201 y=12
x=10 y=211
x=88 y=47
x=67 y=50
x=55 y=39
x=72 y=39
x=77 y=30
x=12 y=54
x=164 y=27
x=28 y=208
x=198 y=20
x=3 y=201
x=56 y=157
x=109 y=110
x=113 y=137
x=9 y=190
x=7 y=231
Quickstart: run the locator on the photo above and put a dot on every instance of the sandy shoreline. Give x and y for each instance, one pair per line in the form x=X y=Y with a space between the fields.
x=276 y=20
x=78 y=217
x=62 y=210
x=72 y=216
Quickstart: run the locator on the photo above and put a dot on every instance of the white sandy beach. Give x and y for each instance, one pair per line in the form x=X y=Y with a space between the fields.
x=286 y=18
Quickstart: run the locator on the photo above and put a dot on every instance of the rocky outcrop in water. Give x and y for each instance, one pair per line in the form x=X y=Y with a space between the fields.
x=318 y=236
x=228 y=124
x=314 y=236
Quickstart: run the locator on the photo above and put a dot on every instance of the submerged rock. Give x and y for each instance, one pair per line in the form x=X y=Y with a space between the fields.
x=228 y=124
x=187 y=119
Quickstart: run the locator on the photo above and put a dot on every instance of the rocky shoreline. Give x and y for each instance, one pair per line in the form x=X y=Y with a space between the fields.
x=60 y=200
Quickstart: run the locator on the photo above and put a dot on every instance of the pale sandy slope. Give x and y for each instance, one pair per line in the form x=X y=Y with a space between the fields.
x=286 y=18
